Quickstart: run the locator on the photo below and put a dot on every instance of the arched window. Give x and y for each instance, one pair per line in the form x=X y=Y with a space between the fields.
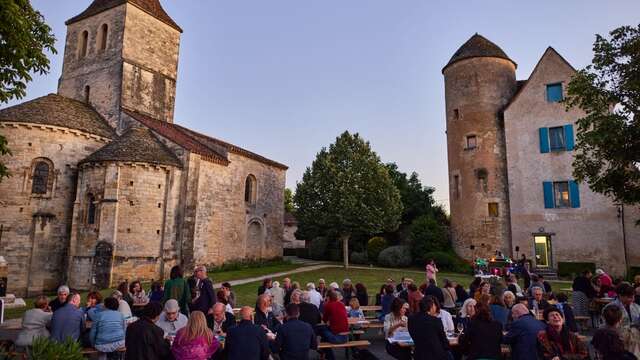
x=102 y=37
x=91 y=209
x=84 y=41
x=40 y=178
x=87 y=93
x=250 y=187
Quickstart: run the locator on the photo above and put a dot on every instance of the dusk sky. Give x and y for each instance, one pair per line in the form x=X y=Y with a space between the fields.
x=283 y=78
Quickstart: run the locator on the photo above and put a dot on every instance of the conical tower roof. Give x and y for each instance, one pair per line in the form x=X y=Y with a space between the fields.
x=151 y=7
x=477 y=46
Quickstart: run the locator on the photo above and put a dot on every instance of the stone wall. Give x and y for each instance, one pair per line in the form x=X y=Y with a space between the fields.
x=35 y=235
x=476 y=90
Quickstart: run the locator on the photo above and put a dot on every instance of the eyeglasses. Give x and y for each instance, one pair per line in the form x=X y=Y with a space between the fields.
x=172 y=313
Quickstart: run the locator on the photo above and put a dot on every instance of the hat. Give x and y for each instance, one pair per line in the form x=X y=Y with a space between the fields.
x=519 y=310
x=171 y=306
x=599 y=272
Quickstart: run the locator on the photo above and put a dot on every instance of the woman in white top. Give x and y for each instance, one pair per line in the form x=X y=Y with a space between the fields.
x=446 y=318
x=395 y=321
x=123 y=306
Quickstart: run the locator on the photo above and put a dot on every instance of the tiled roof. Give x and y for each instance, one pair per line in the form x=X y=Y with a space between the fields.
x=211 y=148
x=477 y=46
x=151 y=7
x=137 y=144
x=60 y=111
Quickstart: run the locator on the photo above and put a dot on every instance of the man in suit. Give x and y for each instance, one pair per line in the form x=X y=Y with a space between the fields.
x=295 y=338
x=222 y=320
x=522 y=335
x=246 y=341
x=203 y=297
x=427 y=333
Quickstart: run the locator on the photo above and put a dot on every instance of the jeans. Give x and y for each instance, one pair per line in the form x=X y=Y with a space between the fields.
x=332 y=338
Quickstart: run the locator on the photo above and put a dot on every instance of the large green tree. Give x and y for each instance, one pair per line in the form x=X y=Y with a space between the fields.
x=608 y=136
x=24 y=39
x=347 y=190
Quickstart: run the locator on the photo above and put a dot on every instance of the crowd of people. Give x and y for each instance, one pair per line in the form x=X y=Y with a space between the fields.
x=186 y=318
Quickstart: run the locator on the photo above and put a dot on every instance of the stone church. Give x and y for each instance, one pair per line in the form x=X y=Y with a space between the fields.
x=510 y=146
x=106 y=187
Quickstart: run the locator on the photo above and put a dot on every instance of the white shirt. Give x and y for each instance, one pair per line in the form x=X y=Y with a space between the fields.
x=315 y=298
x=124 y=309
x=171 y=327
x=447 y=321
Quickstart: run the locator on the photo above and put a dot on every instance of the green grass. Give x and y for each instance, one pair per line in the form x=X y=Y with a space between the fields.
x=221 y=276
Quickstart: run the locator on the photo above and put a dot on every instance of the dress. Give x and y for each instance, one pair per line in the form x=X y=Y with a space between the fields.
x=431 y=272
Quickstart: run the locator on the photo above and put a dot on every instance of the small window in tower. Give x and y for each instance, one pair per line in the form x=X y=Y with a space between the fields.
x=456 y=114
x=40 y=178
x=483 y=182
x=102 y=38
x=493 y=209
x=472 y=142
x=456 y=187
x=250 y=189
x=84 y=40
x=554 y=92
x=87 y=93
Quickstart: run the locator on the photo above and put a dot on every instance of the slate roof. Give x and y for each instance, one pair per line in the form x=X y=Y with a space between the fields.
x=60 y=111
x=137 y=144
x=477 y=46
x=211 y=148
x=151 y=7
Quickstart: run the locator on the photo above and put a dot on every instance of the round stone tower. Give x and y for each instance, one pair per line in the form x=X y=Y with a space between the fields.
x=480 y=81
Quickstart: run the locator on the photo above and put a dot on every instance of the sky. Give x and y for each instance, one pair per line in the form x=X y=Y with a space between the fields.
x=284 y=78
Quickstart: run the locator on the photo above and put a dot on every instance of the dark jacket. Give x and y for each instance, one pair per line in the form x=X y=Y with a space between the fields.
x=363 y=298
x=229 y=322
x=145 y=341
x=206 y=297
x=429 y=338
x=310 y=314
x=569 y=318
x=482 y=340
x=461 y=294
x=522 y=337
x=582 y=284
x=435 y=292
x=294 y=340
x=55 y=304
x=246 y=341
x=67 y=321
x=268 y=320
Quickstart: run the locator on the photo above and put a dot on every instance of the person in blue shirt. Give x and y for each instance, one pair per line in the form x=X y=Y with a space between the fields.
x=108 y=328
x=68 y=321
x=522 y=335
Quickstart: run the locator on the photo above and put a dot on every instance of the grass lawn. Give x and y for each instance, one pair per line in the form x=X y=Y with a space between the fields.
x=221 y=276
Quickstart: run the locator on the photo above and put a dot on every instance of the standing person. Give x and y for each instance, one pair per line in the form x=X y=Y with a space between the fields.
x=277 y=297
x=144 y=340
x=231 y=296
x=431 y=270
x=68 y=321
x=222 y=319
x=171 y=319
x=194 y=341
x=61 y=298
x=427 y=333
x=556 y=341
x=335 y=314
x=362 y=295
x=394 y=321
x=204 y=295
x=295 y=338
x=177 y=288
x=606 y=283
x=522 y=335
x=266 y=285
x=107 y=329
x=246 y=341
x=35 y=322
x=625 y=301
x=483 y=335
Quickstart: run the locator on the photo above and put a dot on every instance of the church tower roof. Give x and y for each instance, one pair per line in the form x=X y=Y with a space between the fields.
x=478 y=46
x=152 y=7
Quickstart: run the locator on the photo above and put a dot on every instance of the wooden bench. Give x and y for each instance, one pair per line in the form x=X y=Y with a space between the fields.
x=87 y=352
x=349 y=344
x=371 y=308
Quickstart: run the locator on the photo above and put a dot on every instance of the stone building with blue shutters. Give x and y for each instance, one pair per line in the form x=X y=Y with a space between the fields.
x=522 y=146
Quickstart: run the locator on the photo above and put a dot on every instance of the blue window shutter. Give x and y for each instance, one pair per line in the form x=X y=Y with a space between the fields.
x=574 y=194
x=547 y=186
x=544 y=140
x=568 y=137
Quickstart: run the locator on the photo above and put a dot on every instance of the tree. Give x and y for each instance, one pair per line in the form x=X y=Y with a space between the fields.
x=608 y=137
x=288 y=201
x=24 y=38
x=347 y=190
x=416 y=199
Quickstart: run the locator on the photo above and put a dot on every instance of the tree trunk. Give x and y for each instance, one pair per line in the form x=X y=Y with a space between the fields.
x=345 y=251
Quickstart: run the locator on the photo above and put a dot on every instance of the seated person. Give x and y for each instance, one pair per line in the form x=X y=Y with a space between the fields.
x=309 y=313
x=61 y=298
x=353 y=311
x=94 y=299
x=246 y=340
x=196 y=340
x=68 y=321
x=264 y=317
x=295 y=338
x=335 y=315
x=222 y=320
x=145 y=340
x=108 y=328
x=567 y=311
x=171 y=319
x=537 y=302
x=35 y=322
x=556 y=341
x=394 y=321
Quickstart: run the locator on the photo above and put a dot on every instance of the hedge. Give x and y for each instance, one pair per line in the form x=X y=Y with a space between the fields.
x=395 y=256
x=571 y=269
x=375 y=245
x=359 y=258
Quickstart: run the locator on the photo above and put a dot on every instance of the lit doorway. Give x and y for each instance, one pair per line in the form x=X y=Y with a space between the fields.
x=542 y=245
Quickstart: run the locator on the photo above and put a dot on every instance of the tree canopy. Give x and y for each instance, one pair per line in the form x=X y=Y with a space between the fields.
x=608 y=137
x=347 y=190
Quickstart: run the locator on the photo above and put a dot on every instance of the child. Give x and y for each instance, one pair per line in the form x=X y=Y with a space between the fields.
x=354 y=309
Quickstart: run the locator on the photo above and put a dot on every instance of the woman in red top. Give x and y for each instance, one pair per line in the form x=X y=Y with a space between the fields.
x=335 y=314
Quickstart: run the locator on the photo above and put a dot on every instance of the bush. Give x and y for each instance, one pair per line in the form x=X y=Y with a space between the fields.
x=427 y=235
x=374 y=246
x=571 y=269
x=318 y=248
x=335 y=254
x=46 y=349
x=359 y=258
x=395 y=256
x=449 y=261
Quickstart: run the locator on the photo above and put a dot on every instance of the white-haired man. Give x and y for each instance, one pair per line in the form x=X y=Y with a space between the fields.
x=314 y=296
x=61 y=298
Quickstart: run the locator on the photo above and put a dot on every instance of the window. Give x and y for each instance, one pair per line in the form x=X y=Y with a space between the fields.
x=456 y=186
x=493 y=209
x=84 y=39
x=87 y=93
x=554 y=92
x=561 y=194
x=250 y=187
x=91 y=209
x=40 y=178
x=102 y=38
x=483 y=179
x=472 y=142
x=456 y=114
x=556 y=138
